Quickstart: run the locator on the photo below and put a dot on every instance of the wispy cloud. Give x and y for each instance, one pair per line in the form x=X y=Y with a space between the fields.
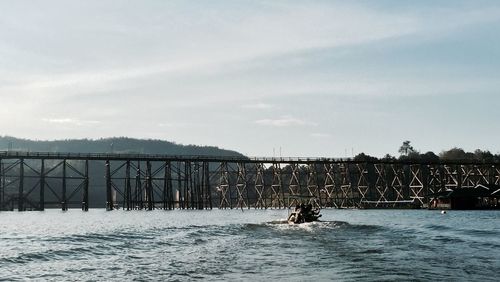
x=269 y=30
x=176 y=124
x=258 y=106
x=320 y=135
x=285 y=121
x=242 y=35
x=70 y=121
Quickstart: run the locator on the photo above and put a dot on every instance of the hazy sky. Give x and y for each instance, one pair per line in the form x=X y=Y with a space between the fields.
x=316 y=78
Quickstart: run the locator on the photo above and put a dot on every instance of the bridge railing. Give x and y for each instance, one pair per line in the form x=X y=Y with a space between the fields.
x=106 y=156
x=209 y=158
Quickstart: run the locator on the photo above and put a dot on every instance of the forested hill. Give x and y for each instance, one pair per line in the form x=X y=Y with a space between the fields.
x=108 y=145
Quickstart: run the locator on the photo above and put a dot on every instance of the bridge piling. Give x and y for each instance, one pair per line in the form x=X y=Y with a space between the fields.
x=149 y=187
x=128 y=187
x=109 y=196
x=64 y=205
x=42 y=186
x=138 y=188
x=85 y=196
x=206 y=173
x=2 y=185
x=20 y=199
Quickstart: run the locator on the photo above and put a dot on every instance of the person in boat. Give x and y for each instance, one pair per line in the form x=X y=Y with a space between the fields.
x=308 y=209
x=296 y=216
x=311 y=214
x=304 y=213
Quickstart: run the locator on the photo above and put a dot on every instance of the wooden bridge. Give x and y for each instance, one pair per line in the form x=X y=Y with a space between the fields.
x=37 y=180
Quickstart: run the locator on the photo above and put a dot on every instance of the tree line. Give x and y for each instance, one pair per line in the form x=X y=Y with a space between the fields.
x=408 y=153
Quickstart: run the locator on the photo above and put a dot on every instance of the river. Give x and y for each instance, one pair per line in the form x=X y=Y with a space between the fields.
x=245 y=245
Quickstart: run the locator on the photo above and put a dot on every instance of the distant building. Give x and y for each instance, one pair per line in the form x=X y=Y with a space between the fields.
x=480 y=197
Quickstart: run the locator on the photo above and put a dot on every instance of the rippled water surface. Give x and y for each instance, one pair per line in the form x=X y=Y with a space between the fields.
x=351 y=245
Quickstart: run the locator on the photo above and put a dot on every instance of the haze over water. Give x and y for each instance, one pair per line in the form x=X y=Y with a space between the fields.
x=352 y=245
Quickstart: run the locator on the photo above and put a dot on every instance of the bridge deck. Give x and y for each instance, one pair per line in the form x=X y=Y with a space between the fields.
x=208 y=158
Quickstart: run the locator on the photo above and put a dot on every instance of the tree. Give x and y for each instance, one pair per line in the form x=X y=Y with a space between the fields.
x=485 y=156
x=388 y=158
x=362 y=157
x=453 y=154
x=406 y=148
x=429 y=157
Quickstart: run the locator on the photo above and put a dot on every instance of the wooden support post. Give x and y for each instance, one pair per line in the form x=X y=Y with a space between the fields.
x=259 y=184
x=64 y=204
x=241 y=187
x=41 y=205
x=165 y=188
x=170 y=190
x=20 y=200
x=128 y=187
x=330 y=183
x=134 y=196
x=294 y=185
x=199 y=188
x=149 y=187
x=425 y=183
x=207 y=184
x=109 y=196
x=138 y=188
x=187 y=175
x=228 y=178
x=180 y=195
x=280 y=187
x=85 y=202
x=203 y=190
x=224 y=187
x=459 y=176
x=442 y=178
x=313 y=183
x=320 y=186
x=491 y=174
x=194 y=186
x=351 y=178
x=191 y=189
x=185 y=195
x=2 y=186
x=276 y=196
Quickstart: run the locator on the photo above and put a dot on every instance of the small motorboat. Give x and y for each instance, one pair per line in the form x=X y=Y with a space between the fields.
x=304 y=213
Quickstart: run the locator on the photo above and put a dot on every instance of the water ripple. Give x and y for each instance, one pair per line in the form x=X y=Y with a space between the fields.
x=359 y=245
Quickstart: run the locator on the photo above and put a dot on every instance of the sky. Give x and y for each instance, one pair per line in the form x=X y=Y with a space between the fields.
x=289 y=78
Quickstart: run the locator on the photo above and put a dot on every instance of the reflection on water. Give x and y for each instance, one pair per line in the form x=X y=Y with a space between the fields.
x=350 y=245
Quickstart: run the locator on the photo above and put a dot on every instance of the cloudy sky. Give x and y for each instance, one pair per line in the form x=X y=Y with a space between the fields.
x=314 y=78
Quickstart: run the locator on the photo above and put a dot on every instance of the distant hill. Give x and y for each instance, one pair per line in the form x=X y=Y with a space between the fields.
x=115 y=145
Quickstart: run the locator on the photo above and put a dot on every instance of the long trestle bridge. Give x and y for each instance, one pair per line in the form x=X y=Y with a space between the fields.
x=37 y=180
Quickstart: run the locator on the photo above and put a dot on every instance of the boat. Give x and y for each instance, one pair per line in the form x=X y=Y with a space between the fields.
x=304 y=213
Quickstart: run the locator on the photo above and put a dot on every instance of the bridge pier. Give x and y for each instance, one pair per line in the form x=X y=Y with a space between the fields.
x=85 y=196
x=206 y=178
x=109 y=196
x=64 y=204
x=20 y=199
x=42 y=186
x=2 y=185
x=149 y=187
